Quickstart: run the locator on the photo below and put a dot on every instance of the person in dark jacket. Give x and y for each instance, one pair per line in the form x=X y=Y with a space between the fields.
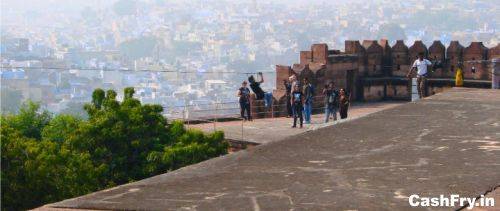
x=297 y=101
x=259 y=93
x=331 y=101
x=244 y=94
x=344 y=103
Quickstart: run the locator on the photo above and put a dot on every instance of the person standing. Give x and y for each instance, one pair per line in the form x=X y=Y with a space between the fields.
x=344 y=104
x=331 y=101
x=244 y=94
x=288 y=95
x=293 y=81
x=459 y=78
x=308 y=100
x=297 y=101
x=420 y=65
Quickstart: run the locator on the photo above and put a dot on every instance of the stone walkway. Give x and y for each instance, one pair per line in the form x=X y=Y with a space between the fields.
x=268 y=130
x=446 y=144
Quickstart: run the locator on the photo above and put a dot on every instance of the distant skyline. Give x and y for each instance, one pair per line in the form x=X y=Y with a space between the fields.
x=227 y=38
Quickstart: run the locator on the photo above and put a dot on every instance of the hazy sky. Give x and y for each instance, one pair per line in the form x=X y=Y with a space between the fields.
x=23 y=5
x=52 y=5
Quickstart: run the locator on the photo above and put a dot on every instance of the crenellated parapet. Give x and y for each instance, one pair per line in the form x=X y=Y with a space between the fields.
x=417 y=47
x=374 y=58
x=375 y=70
x=494 y=52
x=354 y=47
x=305 y=57
x=437 y=53
x=319 y=53
x=454 y=56
x=282 y=74
x=387 y=57
x=400 y=59
x=475 y=65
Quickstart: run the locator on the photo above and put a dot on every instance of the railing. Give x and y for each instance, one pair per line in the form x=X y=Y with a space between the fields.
x=219 y=115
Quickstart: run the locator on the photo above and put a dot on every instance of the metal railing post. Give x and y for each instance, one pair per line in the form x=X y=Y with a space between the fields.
x=215 y=119
x=185 y=118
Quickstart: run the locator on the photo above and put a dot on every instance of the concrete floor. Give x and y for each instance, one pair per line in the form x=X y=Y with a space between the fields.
x=445 y=144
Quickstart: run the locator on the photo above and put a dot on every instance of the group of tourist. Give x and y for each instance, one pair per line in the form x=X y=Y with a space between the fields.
x=299 y=99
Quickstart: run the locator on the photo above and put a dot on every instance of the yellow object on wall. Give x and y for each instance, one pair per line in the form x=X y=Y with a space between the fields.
x=459 y=78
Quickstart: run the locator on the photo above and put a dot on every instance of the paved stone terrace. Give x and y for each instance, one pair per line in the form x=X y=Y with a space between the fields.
x=266 y=130
x=444 y=144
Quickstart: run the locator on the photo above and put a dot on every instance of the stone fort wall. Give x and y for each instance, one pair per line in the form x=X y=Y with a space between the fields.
x=373 y=62
x=373 y=70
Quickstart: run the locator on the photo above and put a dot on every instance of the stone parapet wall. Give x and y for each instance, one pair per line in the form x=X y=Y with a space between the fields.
x=374 y=71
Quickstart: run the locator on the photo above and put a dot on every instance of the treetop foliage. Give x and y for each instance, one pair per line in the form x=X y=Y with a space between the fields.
x=47 y=158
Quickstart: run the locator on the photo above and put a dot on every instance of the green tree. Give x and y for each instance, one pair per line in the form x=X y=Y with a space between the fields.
x=47 y=159
x=60 y=128
x=29 y=121
x=37 y=171
x=134 y=141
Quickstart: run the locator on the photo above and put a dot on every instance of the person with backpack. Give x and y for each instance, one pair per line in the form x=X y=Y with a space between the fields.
x=331 y=101
x=244 y=94
x=308 y=100
x=297 y=101
x=259 y=93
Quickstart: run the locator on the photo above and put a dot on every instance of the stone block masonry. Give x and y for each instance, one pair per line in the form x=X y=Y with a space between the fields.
x=373 y=70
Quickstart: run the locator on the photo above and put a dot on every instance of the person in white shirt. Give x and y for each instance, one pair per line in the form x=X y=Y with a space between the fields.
x=420 y=65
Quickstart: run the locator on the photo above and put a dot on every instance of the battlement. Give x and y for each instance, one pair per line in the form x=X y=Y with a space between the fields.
x=375 y=70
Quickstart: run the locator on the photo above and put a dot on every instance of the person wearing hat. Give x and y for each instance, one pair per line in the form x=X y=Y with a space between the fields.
x=244 y=94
